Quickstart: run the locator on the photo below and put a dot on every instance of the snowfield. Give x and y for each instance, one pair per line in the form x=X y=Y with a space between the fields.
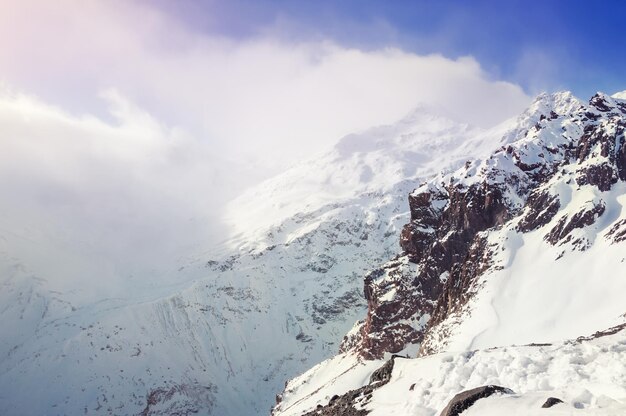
x=237 y=321
x=546 y=293
x=548 y=271
x=589 y=376
x=227 y=328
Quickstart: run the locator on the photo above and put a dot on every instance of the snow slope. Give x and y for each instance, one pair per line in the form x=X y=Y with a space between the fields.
x=275 y=299
x=588 y=375
x=542 y=220
x=560 y=278
x=382 y=160
x=549 y=293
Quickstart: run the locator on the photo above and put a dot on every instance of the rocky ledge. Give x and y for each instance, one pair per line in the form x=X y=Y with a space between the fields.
x=558 y=140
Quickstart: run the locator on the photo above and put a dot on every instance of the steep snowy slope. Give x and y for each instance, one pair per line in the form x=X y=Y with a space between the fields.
x=552 y=271
x=377 y=161
x=277 y=298
x=588 y=376
x=523 y=246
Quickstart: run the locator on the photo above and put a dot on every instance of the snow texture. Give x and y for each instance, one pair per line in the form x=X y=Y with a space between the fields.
x=276 y=298
x=542 y=285
x=588 y=375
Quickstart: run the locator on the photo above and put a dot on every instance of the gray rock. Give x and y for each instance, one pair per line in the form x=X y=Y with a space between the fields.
x=551 y=401
x=466 y=399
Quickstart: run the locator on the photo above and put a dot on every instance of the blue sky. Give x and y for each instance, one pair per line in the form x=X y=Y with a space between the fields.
x=542 y=45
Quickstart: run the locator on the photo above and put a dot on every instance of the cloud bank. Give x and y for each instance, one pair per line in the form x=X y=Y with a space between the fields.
x=109 y=200
x=248 y=96
x=138 y=129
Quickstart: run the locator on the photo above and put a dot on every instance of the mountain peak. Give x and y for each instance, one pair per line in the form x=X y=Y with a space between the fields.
x=561 y=102
x=502 y=251
x=559 y=143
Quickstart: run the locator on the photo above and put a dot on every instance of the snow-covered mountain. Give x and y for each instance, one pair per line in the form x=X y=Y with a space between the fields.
x=499 y=245
x=525 y=246
x=276 y=298
x=587 y=375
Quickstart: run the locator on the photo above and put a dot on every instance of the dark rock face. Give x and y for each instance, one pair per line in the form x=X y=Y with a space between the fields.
x=445 y=249
x=457 y=290
x=389 y=324
x=466 y=399
x=426 y=212
x=617 y=233
x=566 y=225
x=604 y=333
x=605 y=141
x=542 y=208
x=444 y=226
x=603 y=176
x=383 y=374
x=551 y=401
x=344 y=405
x=442 y=240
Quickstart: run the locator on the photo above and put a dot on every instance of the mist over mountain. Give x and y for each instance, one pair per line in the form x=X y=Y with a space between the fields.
x=506 y=286
x=332 y=241
x=251 y=207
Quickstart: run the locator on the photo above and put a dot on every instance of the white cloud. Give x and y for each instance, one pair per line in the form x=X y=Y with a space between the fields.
x=248 y=97
x=108 y=199
x=188 y=119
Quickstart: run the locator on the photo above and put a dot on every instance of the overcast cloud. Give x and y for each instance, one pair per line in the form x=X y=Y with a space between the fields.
x=123 y=133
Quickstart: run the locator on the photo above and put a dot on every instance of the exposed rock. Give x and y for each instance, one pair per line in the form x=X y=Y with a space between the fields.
x=620 y=158
x=542 y=207
x=551 y=401
x=457 y=289
x=604 y=333
x=383 y=374
x=601 y=151
x=599 y=101
x=445 y=251
x=617 y=233
x=346 y=404
x=438 y=239
x=392 y=321
x=426 y=210
x=466 y=399
x=603 y=176
x=581 y=219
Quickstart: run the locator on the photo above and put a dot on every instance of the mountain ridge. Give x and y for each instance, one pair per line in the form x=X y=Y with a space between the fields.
x=536 y=213
x=276 y=299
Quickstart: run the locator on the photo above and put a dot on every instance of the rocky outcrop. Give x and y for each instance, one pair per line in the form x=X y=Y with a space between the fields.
x=179 y=399
x=442 y=235
x=558 y=142
x=601 y=150
x=466 y=399
x=393 y=318
x=457 y=290
x=551 y=401
x=617 y=233
x=583 y=218
x=351 y=403
x=604 y=333
x=541 y=208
